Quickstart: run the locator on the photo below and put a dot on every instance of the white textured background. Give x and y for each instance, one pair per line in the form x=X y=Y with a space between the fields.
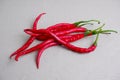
x=58 y=63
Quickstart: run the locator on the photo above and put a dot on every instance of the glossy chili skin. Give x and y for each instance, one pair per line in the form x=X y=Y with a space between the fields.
x=40 y=51
x=31 y=39
x=47 y=36
x=68 y=38
x=72 y=47
x=54 y=28
x=58 y=34
x=43 y=35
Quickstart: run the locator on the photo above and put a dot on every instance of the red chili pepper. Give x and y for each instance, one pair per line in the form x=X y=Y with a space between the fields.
x=58 y=34
x=32 y=49
x=36 y=21
x=54 y=28
x=45 y=36
x=41 y=51
x=78 y=49
x=74 y=48
x=65 y=38
x=61 y=27
x=26 y=45
x=69 y=38
x=66 y=26
x=30 y=40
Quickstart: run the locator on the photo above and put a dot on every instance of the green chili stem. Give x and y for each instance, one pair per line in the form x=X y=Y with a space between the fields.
x=85 y=24
x=99 y=27
x=79 y=22
x=95 y=42
x=105 y=31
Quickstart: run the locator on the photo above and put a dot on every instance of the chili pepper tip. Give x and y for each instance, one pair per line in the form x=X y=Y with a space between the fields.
x=16 y=59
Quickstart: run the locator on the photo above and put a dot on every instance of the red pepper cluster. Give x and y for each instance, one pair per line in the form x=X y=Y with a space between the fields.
x=58 y=34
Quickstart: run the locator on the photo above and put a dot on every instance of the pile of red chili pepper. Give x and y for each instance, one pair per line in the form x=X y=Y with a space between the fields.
x=61 y=34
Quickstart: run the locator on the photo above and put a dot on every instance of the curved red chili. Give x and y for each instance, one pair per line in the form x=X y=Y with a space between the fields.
x=58 y=34
x=30 y=40
x=41 y=51
x=72 y=47
x=69 y=38
x=45 y=36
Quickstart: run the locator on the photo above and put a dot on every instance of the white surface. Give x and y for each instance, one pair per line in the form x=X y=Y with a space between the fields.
x=58 y=63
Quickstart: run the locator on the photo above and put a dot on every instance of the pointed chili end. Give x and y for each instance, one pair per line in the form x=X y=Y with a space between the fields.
x=28 y=31
x=40 y=15
x=43 y=13
x=36 y=20
x=11 y=56
x=16 y=58
x=37 y=64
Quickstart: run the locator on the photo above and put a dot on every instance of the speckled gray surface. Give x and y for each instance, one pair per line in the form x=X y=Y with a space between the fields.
x=58 y=63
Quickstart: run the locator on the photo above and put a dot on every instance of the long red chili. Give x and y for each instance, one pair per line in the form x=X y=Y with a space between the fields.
x=58 y=34
x=32 y=49
x=54 y=28
x=72 y=47
x=41 y=51
x=45 y=36
x=61 y=26
x=60 y=29
x=53 y=44
x=30 y=40
x=69 y=38
x=66 y=26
